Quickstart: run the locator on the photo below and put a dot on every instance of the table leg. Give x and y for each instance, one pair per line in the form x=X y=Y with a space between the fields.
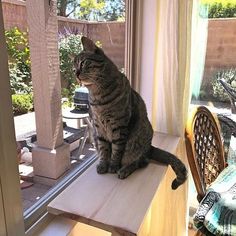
x=81 y=146
x=90 y=126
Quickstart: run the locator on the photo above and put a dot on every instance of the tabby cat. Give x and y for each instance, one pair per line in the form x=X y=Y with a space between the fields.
x=123 y=133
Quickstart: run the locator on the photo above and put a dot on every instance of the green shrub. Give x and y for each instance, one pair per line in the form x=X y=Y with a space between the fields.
x=69 y=46
x=18 y=80
x=219 y=8
x=22 y=103
x=229 y=76
x=18 y=60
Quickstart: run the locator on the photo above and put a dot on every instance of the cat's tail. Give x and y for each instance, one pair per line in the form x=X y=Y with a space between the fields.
x=177 y=165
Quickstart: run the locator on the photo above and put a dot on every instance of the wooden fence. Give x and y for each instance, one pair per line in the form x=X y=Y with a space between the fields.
x=221 y=45
x=221 y=48
x=110 y=34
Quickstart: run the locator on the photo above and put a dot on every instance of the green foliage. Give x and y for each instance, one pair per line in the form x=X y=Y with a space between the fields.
x=17 y=45
x=224 y=2
x=219 y=8
x=69 y=46
x=64 y=5
x=218 y=91
x=82 y=9
x=22 y=103
x=67 y=97
x=19 y=79
x=108 y=10
x=114 y=10
x=89 y=9
x=18 y=60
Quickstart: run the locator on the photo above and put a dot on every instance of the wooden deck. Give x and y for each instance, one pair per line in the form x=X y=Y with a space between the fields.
x=31 y=194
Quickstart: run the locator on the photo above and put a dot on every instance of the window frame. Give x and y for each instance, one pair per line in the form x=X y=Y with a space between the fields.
x=133 y=41
x=33 y=218
x=11 y=220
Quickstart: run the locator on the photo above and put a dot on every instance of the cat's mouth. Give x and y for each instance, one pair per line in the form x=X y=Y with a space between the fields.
x=84 y=82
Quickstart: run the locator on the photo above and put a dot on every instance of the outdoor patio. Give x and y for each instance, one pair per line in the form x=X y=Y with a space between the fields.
x=32 y=190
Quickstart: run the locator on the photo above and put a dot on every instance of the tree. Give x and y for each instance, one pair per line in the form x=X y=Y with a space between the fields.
x=66 y=7
x=109 y=10
x=114 y=10
x=90 y=9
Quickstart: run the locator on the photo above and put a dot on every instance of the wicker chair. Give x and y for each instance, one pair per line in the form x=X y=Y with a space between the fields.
x=204 y=148
x=231 y=93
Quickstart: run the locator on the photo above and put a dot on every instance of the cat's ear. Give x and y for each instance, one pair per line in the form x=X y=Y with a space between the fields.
x=88 y=44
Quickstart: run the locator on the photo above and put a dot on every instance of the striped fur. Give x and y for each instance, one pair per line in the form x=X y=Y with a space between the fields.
x=123 y=133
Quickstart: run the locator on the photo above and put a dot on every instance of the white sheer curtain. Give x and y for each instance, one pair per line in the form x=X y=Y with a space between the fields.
x=172 y=73
x=165 y=84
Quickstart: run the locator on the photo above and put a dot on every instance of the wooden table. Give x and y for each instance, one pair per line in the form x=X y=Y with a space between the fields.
x=78 y=115
x=133 y=206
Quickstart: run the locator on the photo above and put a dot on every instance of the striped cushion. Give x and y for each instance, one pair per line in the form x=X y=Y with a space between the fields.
x=217 y=210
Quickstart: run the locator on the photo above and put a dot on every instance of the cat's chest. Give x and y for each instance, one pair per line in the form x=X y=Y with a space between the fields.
x=105 y=122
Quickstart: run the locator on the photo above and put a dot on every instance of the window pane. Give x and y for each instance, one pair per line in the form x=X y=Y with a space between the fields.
x=104 y=22
x=213 y=60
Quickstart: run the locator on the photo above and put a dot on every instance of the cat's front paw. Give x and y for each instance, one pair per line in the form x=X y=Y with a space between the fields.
x=113 y=168
x=102 y=168
x=122 y=174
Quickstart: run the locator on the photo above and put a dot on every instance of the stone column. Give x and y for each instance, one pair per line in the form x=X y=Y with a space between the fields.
x=51 y=157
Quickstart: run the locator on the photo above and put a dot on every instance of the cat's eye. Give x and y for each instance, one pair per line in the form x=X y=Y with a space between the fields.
x=82 y=64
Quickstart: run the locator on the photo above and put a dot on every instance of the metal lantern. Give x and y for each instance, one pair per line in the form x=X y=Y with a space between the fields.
x=81 y=98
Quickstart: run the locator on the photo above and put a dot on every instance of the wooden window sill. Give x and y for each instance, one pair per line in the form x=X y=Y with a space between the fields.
x=61 y=226
x=120 y=207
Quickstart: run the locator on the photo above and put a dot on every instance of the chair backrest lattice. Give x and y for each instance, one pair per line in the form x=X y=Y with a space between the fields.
x=204 y=149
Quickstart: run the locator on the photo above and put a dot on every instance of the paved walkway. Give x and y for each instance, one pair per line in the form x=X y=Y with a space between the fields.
x=24 y=123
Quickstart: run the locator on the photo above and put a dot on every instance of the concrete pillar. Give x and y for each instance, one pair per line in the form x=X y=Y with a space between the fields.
x=51 y=155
